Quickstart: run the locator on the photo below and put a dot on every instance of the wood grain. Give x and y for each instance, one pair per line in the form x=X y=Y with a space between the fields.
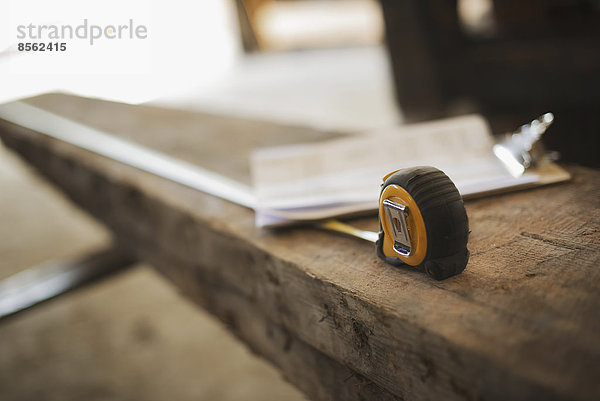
x=521 y=322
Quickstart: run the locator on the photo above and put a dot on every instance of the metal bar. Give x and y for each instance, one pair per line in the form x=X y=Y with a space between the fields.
x=126 y=152
x=43 y=282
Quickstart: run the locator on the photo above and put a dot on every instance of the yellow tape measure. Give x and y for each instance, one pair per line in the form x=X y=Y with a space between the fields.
x=423 y=223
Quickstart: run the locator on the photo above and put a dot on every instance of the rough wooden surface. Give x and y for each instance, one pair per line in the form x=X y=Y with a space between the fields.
x=521 y=322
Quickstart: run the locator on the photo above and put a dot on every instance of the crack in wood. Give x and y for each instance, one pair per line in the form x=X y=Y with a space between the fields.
x=555 y=242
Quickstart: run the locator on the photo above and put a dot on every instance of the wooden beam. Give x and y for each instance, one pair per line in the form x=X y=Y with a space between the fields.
x=520 y=323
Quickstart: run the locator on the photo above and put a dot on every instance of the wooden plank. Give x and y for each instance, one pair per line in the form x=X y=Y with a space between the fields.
x=520 y=323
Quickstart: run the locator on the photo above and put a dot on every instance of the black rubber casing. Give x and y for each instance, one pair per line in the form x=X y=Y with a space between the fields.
x=445 y=218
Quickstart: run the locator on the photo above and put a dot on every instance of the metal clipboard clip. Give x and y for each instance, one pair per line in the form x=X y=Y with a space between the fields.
x=516 y=150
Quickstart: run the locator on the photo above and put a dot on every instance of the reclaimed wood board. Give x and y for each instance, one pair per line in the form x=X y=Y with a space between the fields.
x=522 y=321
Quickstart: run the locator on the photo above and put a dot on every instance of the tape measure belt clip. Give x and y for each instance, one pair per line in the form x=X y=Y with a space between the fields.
x=397 y=215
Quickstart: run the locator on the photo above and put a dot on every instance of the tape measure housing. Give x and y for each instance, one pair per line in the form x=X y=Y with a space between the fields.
x=423 y=222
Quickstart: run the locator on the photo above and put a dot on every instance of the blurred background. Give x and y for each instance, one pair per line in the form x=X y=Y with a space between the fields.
x=343 y=65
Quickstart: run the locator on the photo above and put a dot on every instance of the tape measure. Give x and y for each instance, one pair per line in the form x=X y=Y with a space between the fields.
x=422 y=223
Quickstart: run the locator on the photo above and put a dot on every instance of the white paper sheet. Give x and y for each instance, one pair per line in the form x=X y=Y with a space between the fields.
x=342 y=176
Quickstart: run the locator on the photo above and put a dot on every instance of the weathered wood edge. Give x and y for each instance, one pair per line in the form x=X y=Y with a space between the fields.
x=420 y=363
x=317 y=375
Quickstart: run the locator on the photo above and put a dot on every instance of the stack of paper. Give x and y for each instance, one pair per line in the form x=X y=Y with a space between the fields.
x=343 y=176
